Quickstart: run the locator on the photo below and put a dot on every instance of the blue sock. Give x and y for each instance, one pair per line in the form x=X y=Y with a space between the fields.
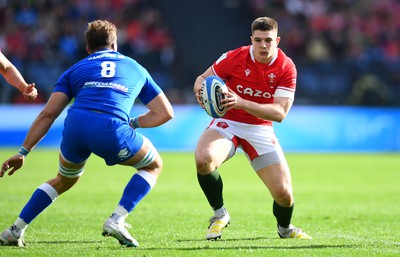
x=137 y=188
x=41 y=198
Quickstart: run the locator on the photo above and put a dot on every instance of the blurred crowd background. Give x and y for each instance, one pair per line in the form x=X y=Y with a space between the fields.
x=347 y=52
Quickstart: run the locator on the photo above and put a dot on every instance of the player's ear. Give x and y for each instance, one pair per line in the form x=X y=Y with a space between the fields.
x=114 y=46
x=88 y=49
x=278 y=39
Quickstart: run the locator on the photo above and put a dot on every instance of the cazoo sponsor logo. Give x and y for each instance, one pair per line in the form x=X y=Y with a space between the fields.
x=252 y=92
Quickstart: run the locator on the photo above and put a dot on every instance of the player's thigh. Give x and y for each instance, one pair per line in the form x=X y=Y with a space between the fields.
x=73 y=147
x=73 y=153
x=213 y=147
x=277 y=178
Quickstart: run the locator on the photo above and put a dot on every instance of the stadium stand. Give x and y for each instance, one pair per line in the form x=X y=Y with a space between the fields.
x=337 y=45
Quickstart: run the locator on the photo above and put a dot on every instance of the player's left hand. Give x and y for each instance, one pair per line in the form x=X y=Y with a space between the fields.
x=231 y=100
x=15 y=162
x=30 y=92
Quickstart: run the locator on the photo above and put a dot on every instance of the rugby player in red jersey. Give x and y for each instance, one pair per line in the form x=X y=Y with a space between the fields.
x=262 y=82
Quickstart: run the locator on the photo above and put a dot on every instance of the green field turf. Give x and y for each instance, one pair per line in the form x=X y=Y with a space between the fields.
x=349 y=203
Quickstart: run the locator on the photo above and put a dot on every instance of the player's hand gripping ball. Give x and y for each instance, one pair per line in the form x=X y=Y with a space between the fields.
x=211 y=96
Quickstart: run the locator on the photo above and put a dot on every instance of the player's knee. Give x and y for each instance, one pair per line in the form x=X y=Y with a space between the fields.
x=205 y=162
x=283 y=197
x=151 y=162
x=157 y=165
x=62 y=183
x=69 y=169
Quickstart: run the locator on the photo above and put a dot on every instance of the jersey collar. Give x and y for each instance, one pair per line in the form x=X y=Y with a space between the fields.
x=105 y=50
x=254 y=59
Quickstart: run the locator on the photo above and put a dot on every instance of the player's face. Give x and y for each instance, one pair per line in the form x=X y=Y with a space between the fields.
x=265 y=44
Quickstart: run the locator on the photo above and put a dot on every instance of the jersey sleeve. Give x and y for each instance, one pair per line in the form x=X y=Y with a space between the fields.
x=223 y=65
x=287 y=84
x=63 y=85
x=149 y=91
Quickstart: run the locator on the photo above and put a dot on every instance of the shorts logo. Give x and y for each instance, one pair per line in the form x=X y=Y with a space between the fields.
x=223 y=125
x=123 y=154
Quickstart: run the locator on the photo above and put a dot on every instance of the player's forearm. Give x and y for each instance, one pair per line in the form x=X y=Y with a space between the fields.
x=272 y=112
x=160 y=111
x=152 y=119
x=197 y=84
x=38 y=130
x=14 y=78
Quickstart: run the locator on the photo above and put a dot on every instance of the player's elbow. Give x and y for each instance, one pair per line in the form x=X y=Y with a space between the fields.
x=279 y=117
x=169 y=113
x=166 y=114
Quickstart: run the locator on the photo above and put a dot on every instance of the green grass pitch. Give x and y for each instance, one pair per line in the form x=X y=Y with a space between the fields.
x=349 y=203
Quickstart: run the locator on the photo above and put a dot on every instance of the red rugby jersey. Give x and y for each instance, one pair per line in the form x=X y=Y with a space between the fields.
x=255 y=81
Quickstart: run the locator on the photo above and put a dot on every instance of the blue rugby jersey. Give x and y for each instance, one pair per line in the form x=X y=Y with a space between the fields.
x=109 y=82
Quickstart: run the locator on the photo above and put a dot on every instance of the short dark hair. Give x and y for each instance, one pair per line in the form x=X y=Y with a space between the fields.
x=100 y=33
x=264 y=24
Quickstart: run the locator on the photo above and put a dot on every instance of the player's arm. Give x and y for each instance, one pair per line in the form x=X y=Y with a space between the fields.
x=160 y=111
x=276 y=111
x=199 y=80
x=14 y=77
x=55 y=105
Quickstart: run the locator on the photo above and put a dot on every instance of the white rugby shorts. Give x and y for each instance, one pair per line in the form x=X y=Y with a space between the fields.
x=258 y=142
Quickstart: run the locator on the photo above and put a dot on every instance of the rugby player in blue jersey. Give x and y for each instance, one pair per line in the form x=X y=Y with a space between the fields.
x=104 y=86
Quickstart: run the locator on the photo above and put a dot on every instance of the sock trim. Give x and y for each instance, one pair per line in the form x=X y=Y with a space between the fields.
x=121 y=211
x=220 y=212
x=150 y=179
x=49 y=190
x=21 y=224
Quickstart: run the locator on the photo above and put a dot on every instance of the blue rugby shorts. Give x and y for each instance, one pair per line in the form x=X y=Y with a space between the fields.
x=105 y=135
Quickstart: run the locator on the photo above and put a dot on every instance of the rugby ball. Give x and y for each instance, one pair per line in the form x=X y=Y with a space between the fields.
x=211 y=96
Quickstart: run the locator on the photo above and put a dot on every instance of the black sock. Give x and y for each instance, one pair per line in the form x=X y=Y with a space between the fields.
x=283 y=215
x=211 y=185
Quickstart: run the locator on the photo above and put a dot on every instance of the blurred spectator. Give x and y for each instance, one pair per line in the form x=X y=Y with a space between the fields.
x=44 y=37
x=363 y=36
x=333 y=43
